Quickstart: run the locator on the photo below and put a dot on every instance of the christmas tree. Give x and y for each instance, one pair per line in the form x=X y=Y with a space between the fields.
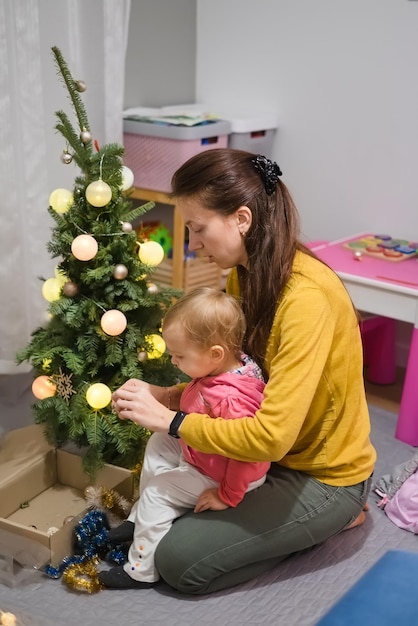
x=104 y=311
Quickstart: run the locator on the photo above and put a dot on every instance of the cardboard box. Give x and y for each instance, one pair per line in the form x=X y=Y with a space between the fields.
x=41 y=486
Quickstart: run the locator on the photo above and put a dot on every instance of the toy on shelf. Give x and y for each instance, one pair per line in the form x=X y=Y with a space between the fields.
x=156 y=231
x=383 y=247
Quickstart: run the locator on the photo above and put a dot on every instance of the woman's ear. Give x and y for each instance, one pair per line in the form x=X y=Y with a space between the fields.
x=245 y=218
x=217 y=353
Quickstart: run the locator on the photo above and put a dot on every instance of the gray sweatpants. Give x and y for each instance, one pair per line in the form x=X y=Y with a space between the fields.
x=289 y=513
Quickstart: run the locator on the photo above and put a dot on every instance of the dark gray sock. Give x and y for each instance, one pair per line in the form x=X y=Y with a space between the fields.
x=117 y=578
x=122 y=533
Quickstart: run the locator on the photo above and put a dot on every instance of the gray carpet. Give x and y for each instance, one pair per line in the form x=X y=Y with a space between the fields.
x=297 y=593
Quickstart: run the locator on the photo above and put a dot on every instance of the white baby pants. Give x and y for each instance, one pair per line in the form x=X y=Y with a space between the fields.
x=169 y=487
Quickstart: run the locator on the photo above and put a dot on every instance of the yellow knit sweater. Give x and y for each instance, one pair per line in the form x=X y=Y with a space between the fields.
x=314 y=416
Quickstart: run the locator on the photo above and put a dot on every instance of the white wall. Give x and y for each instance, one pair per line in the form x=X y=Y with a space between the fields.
x=161 y=60
x=342 y=76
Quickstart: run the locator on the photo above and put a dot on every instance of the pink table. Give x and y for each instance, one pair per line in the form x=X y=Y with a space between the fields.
x=387 y=288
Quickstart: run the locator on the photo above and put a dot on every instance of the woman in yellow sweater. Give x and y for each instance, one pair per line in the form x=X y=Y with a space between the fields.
x=313 y=424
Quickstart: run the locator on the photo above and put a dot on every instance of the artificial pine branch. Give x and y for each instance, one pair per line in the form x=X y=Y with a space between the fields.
x=72 y=90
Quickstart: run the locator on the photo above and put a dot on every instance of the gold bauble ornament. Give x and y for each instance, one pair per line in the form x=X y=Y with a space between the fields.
x=142 y=356
x=157 y=344
x=70 y=289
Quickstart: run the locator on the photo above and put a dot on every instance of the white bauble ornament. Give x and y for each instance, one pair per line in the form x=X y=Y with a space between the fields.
x=151 y=253
x=85 y=136
x=98 y=395
x=127 y=178
x=43 y=387
x=60 y=200
x=127 y=227
x=84 y=247
x=98 y=193
x=113 y=322
x=80 y=85
x=66 y=157
x=51 y=289
x=152 y=288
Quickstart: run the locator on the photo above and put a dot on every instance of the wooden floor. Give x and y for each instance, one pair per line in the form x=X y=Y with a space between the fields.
x=386 y=396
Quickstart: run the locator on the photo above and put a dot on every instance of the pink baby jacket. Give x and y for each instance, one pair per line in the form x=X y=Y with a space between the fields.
x=230 y=395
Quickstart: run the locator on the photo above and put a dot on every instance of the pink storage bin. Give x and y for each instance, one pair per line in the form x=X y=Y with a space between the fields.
x=154 y=152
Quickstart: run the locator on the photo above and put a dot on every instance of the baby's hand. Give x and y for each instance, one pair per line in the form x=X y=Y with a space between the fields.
x=209 y=500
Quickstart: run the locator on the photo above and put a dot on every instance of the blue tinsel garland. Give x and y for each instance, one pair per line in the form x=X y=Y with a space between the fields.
x=91 y=541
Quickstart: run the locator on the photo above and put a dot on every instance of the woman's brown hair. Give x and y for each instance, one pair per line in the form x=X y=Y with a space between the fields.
x=222 y=180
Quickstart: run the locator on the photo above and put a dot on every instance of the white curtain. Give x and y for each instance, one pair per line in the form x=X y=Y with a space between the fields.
x=92 y=36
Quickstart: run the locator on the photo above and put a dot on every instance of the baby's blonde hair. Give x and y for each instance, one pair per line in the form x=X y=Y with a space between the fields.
x=209 y=316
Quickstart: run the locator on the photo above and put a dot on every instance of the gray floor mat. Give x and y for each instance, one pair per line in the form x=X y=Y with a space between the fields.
x=297 y=593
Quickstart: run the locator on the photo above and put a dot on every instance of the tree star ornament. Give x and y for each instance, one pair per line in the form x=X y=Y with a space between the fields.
x=64 y=385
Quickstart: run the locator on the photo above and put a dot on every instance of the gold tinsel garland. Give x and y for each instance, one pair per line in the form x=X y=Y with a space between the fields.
x=83 y=576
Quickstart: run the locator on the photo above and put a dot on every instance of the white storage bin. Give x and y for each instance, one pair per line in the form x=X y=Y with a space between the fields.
x=251 y=131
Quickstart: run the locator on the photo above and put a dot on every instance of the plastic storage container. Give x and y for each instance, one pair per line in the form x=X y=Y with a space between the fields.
x=155 y=151
x=254 y=132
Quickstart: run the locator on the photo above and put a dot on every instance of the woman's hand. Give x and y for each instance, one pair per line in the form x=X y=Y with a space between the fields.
x=142 y=403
